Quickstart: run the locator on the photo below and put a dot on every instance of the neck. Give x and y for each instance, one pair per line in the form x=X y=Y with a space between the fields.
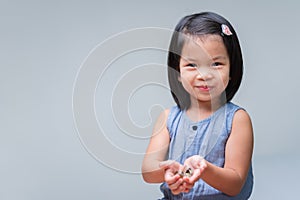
x=200 y=110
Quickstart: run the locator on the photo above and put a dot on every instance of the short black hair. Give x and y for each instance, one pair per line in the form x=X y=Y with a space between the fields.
x=200 y=24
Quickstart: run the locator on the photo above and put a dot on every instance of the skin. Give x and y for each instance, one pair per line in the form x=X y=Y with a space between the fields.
x=204 y=73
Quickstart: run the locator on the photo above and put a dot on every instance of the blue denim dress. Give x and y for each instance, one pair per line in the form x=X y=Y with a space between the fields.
x=207 y=138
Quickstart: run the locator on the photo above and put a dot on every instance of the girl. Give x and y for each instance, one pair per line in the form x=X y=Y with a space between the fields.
x=202 y=147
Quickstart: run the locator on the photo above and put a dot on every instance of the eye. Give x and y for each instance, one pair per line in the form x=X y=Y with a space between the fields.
x=216 y=64
x=191 y=65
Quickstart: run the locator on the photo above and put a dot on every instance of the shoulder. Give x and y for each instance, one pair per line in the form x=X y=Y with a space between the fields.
x=242 y=125
x=169 y=118
x=165 y=113
x=171 y=113
x=242 y=122
x=233 y=107
x=241 y=133
x=239 y=113
x=236 y=115
x=163 y=118
x=174 y=114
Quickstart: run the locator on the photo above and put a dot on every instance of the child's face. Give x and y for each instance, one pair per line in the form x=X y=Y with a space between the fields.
x=204 y=67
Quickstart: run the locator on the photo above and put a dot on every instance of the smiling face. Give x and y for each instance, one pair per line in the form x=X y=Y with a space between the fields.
x=204 y=68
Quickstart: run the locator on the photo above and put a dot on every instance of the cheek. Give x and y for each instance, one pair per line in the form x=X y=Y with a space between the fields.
x=224 y=74
x=226 y=78
x=183 y=77
x=226 y=81
x=185 y=80
x=222 y=79
x=225 y=84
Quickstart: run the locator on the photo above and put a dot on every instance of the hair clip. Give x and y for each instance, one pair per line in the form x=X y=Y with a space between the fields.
x=226 y=30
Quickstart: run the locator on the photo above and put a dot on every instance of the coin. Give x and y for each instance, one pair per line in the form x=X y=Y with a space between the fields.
x=186 y=172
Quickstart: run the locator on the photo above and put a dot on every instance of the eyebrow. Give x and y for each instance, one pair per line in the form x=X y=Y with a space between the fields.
x=219 y=58
x=187 y=59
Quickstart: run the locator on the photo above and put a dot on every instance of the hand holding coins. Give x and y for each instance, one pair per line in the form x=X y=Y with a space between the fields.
x=181 y=178
x=186 y=172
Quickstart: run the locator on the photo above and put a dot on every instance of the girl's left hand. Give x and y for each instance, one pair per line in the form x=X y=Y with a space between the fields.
x=171 y=176
x=198 y=166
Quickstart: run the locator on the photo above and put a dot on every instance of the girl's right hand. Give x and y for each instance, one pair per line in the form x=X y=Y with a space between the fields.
x=198 y=165
x=172 y=178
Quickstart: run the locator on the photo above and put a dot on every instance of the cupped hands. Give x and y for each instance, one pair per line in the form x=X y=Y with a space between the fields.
x=181 y=178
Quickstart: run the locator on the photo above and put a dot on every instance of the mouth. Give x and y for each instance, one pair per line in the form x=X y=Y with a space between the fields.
x=204 y=88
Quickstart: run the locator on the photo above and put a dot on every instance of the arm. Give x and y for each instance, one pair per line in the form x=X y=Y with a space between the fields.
x=156 y=151
x=238 y=153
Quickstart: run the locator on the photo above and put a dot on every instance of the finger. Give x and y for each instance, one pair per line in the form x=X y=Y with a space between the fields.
x=188 y=185
x=170 y=177
x=195 y=176
x=175 y=185
x=170 y=164
x=178 y=190
x=165 y=164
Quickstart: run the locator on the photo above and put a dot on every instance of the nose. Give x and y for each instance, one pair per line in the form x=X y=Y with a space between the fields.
x=204 y=74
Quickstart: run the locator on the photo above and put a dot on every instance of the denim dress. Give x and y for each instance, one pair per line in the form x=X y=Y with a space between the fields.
x=206 y=138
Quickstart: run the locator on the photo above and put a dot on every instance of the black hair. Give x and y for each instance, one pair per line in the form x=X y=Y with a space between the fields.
x=198 y=25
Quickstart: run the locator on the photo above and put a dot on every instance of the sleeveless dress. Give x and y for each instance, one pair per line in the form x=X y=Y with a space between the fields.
x=206 y=138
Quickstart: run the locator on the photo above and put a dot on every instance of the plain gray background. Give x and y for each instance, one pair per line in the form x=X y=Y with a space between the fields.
x=42 y=46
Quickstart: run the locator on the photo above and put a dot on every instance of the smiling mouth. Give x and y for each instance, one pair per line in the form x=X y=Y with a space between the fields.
x=204 y=88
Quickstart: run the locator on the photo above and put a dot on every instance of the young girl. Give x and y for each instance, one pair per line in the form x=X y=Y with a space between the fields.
x=202 y=147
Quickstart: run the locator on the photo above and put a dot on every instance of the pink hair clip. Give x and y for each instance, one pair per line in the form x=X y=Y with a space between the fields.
x=226 y=30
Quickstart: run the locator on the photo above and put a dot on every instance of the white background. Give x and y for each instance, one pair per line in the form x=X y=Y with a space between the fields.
x=44 y=43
